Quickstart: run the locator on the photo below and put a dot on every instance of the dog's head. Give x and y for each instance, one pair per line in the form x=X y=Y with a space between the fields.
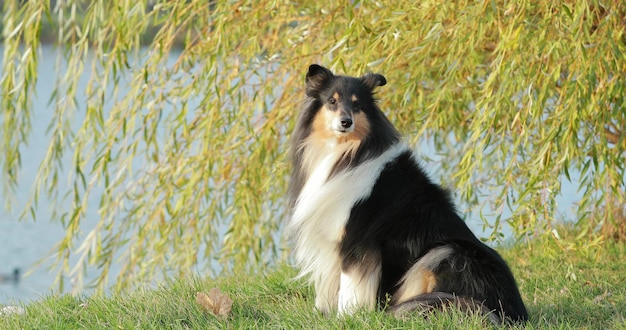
x=340 y=118
x=342 y=102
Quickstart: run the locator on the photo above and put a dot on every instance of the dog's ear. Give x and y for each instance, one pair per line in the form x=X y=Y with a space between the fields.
x=316 y=78
x=373 y=80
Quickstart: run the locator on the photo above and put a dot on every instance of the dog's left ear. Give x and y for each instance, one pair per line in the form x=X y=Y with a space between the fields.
x=373 y=80
x=316 y=78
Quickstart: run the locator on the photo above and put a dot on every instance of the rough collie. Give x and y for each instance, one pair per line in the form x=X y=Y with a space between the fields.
x=370 y=228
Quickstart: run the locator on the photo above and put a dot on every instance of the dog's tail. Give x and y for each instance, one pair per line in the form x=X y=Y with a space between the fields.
x=426 y=303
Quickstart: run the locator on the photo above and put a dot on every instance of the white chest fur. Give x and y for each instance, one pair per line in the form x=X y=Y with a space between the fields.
x=323 y=206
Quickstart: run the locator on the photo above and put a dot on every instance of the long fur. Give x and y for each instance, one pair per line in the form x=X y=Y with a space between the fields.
x=368 y=224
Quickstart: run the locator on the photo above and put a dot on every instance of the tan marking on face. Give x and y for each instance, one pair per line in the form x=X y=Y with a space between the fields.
x=323 y=139
x=316 y=145
x=354 y=98
x=361 y=128
x=322 y=126
x=336 y=96
x=321 y=123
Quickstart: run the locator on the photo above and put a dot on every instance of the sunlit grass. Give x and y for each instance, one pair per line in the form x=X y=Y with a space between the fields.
x=562 y=290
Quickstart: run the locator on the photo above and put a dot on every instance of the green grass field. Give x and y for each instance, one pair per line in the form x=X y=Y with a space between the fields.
x=563 y=288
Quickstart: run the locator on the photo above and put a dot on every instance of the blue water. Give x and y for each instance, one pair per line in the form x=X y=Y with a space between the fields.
x=30 y=242
x=25 y=243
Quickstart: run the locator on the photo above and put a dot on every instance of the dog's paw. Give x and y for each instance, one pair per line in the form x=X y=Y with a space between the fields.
x=322 y=306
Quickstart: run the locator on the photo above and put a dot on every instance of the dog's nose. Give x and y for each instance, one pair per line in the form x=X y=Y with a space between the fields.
x=346 y=122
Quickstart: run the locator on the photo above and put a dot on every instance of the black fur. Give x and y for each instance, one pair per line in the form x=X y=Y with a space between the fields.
x=405 y=217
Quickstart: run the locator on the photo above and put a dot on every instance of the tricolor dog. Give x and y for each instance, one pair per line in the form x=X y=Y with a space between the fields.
x=370 y=227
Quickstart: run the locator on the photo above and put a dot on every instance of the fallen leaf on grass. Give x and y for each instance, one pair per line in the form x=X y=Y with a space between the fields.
x=216 y=302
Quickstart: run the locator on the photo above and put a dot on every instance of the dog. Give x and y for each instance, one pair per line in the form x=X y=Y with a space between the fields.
x=369 y=226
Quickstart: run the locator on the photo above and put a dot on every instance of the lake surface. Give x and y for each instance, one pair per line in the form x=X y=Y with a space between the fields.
x=25 y=243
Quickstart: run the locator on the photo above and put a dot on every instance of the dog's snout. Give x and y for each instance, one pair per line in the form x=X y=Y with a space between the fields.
x=346 y=122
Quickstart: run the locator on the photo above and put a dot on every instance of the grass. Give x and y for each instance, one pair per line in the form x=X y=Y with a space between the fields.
x=562 y=288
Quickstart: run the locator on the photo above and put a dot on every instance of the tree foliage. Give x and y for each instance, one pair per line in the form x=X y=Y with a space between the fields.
x=188 y=105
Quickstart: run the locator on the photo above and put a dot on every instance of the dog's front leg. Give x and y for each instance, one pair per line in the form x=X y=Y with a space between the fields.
x=358 y=287
x=326 y=294
x=326 y=284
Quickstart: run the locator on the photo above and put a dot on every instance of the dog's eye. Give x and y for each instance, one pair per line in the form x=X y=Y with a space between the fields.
x=332 y=101
x=355 y=104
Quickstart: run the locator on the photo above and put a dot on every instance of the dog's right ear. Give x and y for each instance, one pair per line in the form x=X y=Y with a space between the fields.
x=316 y=78
x=373 y=80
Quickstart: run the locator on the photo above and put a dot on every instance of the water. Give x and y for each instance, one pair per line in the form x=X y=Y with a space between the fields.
x=25 y=243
